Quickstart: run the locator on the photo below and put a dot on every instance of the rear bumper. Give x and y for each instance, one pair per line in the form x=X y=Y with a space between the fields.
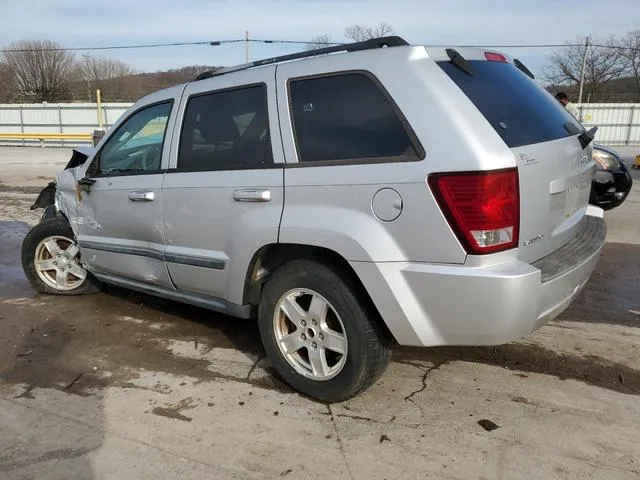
x=430 y=305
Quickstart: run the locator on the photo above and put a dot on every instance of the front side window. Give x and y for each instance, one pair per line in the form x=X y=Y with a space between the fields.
x=347 y=117
x=137 y=144
x=226 y=130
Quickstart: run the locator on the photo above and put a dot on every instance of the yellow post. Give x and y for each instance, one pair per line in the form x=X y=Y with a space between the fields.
x=99 y=102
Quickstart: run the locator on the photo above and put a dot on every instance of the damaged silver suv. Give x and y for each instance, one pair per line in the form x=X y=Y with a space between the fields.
x=350 y=198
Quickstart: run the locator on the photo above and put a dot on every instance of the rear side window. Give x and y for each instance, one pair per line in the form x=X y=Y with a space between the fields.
x=226 y=130
x=347 y=117
x=521 y=111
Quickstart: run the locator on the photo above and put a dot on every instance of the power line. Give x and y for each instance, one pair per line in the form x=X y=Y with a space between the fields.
x=118 y=47
x=291 y=42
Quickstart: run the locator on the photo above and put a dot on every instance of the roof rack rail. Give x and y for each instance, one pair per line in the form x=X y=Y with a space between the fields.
x=391 y=41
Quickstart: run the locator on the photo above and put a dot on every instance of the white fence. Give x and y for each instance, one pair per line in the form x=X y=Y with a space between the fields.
x=618 y=123
x=54 y=118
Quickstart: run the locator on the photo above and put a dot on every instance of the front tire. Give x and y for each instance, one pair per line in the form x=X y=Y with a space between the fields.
x=51 y=260
x=323 y=338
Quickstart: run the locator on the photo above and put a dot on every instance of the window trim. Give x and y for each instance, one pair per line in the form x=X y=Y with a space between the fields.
x=413 y=138
x=96 y=158
x=271 y=165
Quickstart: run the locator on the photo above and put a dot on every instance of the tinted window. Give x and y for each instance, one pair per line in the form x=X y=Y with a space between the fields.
x=346 y=117
x=521 y=111
x=226 y=130
x=137 y=144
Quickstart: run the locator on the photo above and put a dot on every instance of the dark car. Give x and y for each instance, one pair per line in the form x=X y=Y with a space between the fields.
x=612 y=181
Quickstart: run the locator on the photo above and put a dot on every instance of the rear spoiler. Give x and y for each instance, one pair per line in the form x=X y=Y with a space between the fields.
x=586 y=137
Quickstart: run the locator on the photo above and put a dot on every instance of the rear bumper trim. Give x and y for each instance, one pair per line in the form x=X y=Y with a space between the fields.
x=586 y=242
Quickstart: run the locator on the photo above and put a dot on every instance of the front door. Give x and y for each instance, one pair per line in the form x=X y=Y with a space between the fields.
x=119 y=215
x=223 y=193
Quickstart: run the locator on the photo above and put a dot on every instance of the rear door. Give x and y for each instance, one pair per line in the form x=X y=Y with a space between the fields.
x=554 y=170
x=223 y=193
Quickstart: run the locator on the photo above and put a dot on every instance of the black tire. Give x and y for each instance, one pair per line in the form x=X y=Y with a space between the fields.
x=369 y=344
x=57 y=226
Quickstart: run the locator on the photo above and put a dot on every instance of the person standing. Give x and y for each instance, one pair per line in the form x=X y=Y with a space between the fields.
x=570 y=107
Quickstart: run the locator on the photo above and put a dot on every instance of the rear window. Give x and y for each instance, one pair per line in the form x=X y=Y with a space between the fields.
x=521 y=111
x=347 y=117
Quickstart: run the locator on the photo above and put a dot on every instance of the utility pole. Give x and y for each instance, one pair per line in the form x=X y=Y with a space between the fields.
x=584 y=66
x=246 y=46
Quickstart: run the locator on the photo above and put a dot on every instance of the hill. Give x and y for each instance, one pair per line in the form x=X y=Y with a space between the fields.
x=132 y=87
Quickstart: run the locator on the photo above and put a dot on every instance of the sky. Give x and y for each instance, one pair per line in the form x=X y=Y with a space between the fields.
x=81 y=23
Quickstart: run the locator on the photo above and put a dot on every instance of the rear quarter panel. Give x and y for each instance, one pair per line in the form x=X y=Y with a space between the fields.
x=331 y=206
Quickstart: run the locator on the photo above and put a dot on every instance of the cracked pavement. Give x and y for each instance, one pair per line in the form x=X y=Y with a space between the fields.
x=120 y=385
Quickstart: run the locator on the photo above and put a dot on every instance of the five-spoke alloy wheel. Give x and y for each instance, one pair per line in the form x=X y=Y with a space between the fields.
x=310 y=334
x=57 y=263
x=321 y=333
x=51 y=259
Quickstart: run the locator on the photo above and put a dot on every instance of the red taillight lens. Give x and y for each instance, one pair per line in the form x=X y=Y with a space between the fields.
x=495 y=57
x=483 y=208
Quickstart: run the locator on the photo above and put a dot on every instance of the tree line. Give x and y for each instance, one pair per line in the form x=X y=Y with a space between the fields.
x=611 y=68
x=34 y=71
x=42 y=71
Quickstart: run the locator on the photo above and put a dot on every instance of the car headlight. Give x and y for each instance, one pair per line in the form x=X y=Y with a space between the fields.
x=605 y=160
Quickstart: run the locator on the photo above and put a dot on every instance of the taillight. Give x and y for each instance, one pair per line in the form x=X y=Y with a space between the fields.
x=495 y=57
x=483 y=208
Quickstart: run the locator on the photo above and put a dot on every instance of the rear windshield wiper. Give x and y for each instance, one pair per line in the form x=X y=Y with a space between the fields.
x=459 y=61
x=520 y=66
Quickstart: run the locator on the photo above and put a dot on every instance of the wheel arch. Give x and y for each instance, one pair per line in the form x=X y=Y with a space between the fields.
x=270 y=257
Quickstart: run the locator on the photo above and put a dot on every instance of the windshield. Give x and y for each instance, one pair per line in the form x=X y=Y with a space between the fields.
x=522 y=112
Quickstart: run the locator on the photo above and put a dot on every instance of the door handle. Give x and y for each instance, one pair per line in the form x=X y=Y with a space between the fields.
x=142 y=196
x=252 y=195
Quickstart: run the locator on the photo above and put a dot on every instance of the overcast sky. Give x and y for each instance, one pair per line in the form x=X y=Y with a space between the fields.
x=82 y=23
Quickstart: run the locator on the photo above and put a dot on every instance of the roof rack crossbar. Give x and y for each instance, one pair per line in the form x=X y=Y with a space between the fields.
x=392 y=41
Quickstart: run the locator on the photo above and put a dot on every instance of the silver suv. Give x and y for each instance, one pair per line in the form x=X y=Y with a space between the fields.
x=351 y=198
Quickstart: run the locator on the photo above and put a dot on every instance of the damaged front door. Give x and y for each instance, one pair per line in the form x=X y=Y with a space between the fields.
x=119 y=224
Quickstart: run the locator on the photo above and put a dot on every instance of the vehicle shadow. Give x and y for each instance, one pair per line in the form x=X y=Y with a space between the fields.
x=190 y=323
x=612 y=295
x=533 y=358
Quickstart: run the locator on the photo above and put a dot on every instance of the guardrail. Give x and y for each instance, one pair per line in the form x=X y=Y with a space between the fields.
x=83 y=137
x=56 y=118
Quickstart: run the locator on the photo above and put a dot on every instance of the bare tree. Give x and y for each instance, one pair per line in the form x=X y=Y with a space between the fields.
x=40 y=69
x=603 y=64
x=7 y=86
x=107 y=74
x=360 y=33
x=319 y=41
x=630 y=51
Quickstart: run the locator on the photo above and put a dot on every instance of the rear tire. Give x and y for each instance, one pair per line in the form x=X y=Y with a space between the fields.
x=324 y=317
x=51 y=260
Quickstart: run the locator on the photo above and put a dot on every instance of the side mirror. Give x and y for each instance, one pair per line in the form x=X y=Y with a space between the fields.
x=85 y=183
